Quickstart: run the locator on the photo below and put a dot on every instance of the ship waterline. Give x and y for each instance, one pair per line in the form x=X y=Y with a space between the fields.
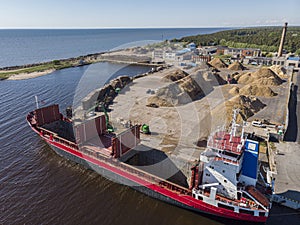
x=105 y=160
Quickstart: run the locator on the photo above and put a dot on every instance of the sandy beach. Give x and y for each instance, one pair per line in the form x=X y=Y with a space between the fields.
x=120 y=56
x=24 y=76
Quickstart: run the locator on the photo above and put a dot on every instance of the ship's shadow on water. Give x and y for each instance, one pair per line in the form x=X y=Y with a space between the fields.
x=292 y=130
x=158 y=163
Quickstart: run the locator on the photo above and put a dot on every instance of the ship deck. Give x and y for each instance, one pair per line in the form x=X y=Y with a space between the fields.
x=101 y=144
x=223 y=141
x=62 y=128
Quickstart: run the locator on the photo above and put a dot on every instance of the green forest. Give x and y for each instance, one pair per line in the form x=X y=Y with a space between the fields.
x=265 y=38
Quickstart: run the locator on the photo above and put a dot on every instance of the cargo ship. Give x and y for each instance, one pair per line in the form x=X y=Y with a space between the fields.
x=224 y=181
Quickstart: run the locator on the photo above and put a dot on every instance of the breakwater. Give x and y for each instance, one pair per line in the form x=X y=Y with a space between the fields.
x=59 y=64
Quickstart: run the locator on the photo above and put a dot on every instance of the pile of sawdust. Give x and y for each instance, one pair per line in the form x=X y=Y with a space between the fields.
x=263 y=76
x=245 y=78
x=266 y=76
x=234 y=91
x=180 y=92
x=257 y=90
x=279 y=70
x=271 y=81
x=212 y=77
x=264 y=72
x=218 y=63
x=175 y=75
x=248 y=106
x=237 y=66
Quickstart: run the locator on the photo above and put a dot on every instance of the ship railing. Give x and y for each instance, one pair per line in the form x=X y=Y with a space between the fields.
x=217 y=158
x=247 y=203
x=31 y=119
x=231 y=148
x=133 y=170
x=52 y=136
x=142 y=174
x=226 y=201
x=202 y=192
x=92 y=153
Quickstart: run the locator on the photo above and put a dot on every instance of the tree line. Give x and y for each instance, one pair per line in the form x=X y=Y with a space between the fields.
x=265 y=38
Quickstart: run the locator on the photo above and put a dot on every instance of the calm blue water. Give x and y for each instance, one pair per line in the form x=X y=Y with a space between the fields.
x=18 y=47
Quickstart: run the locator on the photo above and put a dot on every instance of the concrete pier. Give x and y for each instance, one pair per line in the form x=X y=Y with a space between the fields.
x=287 y=155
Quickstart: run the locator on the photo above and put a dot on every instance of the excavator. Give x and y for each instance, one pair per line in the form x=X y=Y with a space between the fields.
x=145 y=129
x=101 y=107
x=109 y=127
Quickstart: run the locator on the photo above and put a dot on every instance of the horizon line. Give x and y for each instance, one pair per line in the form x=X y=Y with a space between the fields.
x=146 y=27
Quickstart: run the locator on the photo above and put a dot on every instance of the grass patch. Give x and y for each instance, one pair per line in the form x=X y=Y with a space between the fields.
x=54 y=65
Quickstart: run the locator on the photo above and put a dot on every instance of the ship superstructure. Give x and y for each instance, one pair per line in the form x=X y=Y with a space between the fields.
x=228 y=173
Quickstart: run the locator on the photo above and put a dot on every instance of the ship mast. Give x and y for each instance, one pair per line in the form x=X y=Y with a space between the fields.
x=233 y=124
x=37 y=102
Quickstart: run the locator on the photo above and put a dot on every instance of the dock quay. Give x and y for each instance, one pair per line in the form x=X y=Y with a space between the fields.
x=287 y=155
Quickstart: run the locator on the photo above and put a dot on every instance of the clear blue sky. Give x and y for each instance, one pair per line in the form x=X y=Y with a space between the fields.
x=146 y=13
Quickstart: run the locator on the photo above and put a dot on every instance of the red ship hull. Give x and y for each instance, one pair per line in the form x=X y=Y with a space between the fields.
x=113 y=171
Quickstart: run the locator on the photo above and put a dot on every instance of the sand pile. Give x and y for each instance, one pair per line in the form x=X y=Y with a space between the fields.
x=279 y=70
x=236 y=66
x=264 y=76
x=174 y=75
x=214 y=78
x=234 y=91
x=218 y=63
x=245 y=78
x=180 y=92
x=257 y=90
x=270 y=81
x=248 y=106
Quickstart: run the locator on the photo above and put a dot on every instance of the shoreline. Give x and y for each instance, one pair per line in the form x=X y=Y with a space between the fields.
x=29 y=71
x=26 y=76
